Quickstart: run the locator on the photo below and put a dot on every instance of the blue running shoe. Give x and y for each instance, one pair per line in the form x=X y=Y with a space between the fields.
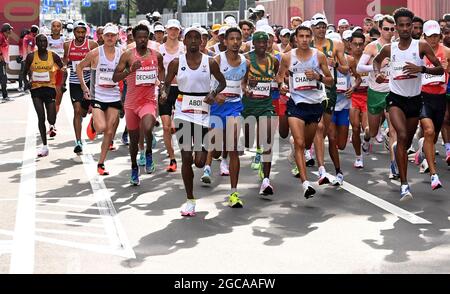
x=149 y=164
x=405 y=193
x=134 y=179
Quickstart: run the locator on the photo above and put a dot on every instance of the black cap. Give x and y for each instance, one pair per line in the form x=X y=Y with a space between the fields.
x=6 y=27
x=447 y=17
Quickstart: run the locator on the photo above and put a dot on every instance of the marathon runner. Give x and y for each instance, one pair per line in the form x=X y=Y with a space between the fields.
x=56 y=44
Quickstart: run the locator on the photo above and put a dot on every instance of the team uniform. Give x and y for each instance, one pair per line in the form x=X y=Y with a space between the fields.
x=377 y=92
x=57 y=46
x=75 y=55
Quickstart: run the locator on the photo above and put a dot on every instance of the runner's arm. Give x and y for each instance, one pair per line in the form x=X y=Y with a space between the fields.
x=384 y=53
x=172 y=71
x=327 y=79
x=342 y=61
x=86 y=62
x=58 y=61
x=429 y=53
x=161 y=70
x=26 y=70
x=122 y=71
x=215 y=71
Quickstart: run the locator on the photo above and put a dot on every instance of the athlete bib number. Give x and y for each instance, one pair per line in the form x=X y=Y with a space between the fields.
x=233 y=89
x=105 y=80
x=433 y=80
x=261 y=90
x=397 y=71
x=301 y=82
x=194 y=104
x=145 y=77
x=341 y=85
x=41 y=77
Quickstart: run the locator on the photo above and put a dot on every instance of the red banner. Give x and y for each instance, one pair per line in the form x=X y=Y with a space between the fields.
x=19 y=14
x=356 y=11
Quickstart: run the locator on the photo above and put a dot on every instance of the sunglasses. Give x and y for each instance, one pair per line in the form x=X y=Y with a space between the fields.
x=386 y=29
x=358 y=44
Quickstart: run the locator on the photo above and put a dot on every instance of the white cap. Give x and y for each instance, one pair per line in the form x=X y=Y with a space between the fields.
x=156 y=14
x=343 y=22
x=204 y=32
x=333 y=36
x=223 y=29
x=69 y=26
x=260 y=8
x=173 y=23
x=158 y=28
x=347 y=34
x=262 y=22
x=230 y=20
x=284 y=32
x=192 y=29
x=356 y=28
x=318 y=18
x=307 y=23
x=196 y=24
x=110 y=29
x=431 y=27
x=268 y=29
x=80 y=24
x=378 y=17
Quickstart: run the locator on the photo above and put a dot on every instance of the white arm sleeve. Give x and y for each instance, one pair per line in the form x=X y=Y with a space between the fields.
x=362 y=64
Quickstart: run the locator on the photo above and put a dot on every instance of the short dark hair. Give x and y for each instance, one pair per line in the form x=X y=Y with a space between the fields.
x=302 y=28
x=233 y=30
x=418 y=19
x=368 y=19
x=403 y=12
x=442 y=20
x=140 y=27
x=387 y=18
x=34 y=29
x=245 y=22
x=357 y=35
x=373 y=32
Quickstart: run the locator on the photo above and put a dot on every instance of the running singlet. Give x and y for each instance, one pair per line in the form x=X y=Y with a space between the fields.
x=194 y=86
x=233 y=76
x=274 y=85
x=56 y=46
x=263 y=76
x=435 y=84
x=43 y=71
x=167 y=57
x=76 y=54
x=141 y=83
x=399 y=82
x=380 y=87
x=301 y=88
x=105 y=89
x=342 y=102
x=330 y=52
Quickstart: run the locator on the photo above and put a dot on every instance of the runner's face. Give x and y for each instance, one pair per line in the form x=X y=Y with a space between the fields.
x=343 y=28
x=260 y=46
x=303 y=39
x=368 y=26
x=433 y=40
x=246 y=31
x=41 y=42
x=192 y=41
x=295 y=23
x=417 y=30
x=387 y=35
x=204 y=42
x=404 y=27
x=233 y=41
x=110 y=39
x=56 y=28
x=320 y=30
x=173 y=33
x=285 y=39
x=141 y=39
x=270 y=43
x=159 y=36
x=80 y=34
x=100 y=34
x=357 y=46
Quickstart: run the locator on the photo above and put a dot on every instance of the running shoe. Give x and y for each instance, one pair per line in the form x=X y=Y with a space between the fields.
x=189 y=209
x=112 y=147
x=125 y=139
x=405 y=193
x=379 y=137
x=266 y=188
x=78 y=148
x=224 y=171
x=323 y=179
x=101 y=170
x=411 y=150
x=424 y=168
x=90 y=131
x=261 y=172
x=134 y=179
x=358 y=163
x=52 y=132
x=308 y=158
x=256 y=161
x=366 y=146
x=206 y=178
x=234 y=201
x=308 y=190
x=141 y=160
x=435 y=183
x=42 y=152
x=295 y=172
x=172 y=166
x=149 y=164
x=338 y=180
x=393 y=171
x=418 y=157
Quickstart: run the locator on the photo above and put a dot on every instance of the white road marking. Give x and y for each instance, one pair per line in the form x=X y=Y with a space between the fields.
x=389 y=207
x=22 y=258
x=113 y=226
x=10 y=161
x=86 y=215
x=81 y=224
x=71 y=233
x=5 y=246
x=70 y=205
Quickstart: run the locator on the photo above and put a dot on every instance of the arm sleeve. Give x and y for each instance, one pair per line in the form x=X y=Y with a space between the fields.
x=362 y=64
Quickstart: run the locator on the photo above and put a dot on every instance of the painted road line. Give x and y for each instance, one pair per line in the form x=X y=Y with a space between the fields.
x=22 y=258
x=87 y=207
x=5 y=246
x=86 y=215
x=113 y=226
x=10 y=161
x=395 y=210
x=70 y=233
x=68 y=223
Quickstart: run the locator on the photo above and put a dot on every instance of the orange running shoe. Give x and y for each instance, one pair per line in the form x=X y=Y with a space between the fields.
x=101 y=170
x=172 y=166
x=90 y=131
x=112 y=147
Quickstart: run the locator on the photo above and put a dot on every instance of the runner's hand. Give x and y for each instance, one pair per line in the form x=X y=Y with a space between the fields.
x=311 y=75
x=209 y=99
x=380 y=78
x=410 y=68
x=349 y=93
x=137 y=64
x=163 y=96
x=248 y=93
x=284 y=89
x=86 y=93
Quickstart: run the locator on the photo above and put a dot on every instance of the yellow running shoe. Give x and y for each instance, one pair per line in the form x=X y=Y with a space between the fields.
x=234 y=201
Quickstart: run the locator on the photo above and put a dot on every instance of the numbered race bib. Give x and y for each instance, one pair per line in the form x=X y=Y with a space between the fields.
x=41 y=77
x=433 y=80
x=75 y=64
x=194 y=104
x=301 y=82
x=397 y=71
x=274 y=85
x=105 y=80
x=58 y=49
x=341 y=85
x=233 y=89
x=261 y=90
x=364 y=83
x=145 y=77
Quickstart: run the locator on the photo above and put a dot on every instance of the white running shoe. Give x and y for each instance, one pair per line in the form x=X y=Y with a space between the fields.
x=42 y=152
x=224 y=171
x=189 y=209
x=338 y=180
x=435 y=183
x=379 y=137
x=266 y=188
x=308 y=190
x=405 y=193
x=323 y=179
x=358 y=163
x=206 y=178
x=424 y=168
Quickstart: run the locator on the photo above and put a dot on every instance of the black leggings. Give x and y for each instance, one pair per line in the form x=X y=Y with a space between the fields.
x=51 y=115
